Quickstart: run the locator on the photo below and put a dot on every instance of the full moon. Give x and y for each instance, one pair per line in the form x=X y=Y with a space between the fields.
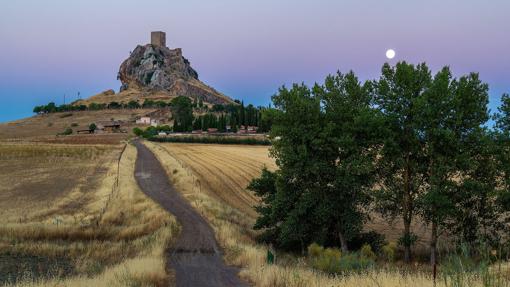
x=390 y=54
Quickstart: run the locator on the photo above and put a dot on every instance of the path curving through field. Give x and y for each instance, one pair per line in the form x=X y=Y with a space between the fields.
x=195 y=256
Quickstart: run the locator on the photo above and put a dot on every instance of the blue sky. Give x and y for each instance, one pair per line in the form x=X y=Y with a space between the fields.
x=246 y=49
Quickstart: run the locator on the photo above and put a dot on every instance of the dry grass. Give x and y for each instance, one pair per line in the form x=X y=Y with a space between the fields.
x=185 y=164
x=107 y=230
x=46 y=127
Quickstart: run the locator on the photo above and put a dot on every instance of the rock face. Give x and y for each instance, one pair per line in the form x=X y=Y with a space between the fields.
x=158 y=68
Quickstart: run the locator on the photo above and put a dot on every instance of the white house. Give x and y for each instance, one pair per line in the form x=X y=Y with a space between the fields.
x=144 y=121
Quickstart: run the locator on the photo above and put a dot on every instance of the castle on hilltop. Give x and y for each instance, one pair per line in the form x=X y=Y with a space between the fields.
x=158 y=39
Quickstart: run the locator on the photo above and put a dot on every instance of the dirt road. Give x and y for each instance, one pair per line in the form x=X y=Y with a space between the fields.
x=195 y=256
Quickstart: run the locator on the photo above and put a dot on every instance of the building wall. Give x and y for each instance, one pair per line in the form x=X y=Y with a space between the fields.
x=158 y=38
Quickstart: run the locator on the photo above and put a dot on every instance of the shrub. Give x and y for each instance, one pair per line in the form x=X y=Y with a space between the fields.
x=138 y=132
x=388 y=251
x=353 y=262
x=331 y=260
x=66 y=132
x=315 y=250
x=92 y=127
x=366 y=252
x=372 y=238
x=328 y=260
x=74 y=125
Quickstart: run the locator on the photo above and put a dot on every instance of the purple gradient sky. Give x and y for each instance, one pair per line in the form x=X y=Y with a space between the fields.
x=246 y=49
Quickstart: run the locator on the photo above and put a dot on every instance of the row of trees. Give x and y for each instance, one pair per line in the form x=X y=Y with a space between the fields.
x=53 y=108
x=219 y=116
x=408 y=145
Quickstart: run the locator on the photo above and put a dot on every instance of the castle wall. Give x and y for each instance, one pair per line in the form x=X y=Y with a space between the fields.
x=158 y=39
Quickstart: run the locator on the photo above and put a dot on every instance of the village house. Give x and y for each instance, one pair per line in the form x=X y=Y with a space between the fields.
x=155 y=118
x=144 y=121
x=107 y=127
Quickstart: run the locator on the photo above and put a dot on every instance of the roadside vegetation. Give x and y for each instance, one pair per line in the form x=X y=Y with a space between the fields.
x=72 y=215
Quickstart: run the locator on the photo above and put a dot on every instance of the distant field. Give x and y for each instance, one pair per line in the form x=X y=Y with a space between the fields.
x=224 y=170
x=47 y=126
x=72 y=215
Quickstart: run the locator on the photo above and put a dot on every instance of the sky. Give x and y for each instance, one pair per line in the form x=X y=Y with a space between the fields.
x=245 y=49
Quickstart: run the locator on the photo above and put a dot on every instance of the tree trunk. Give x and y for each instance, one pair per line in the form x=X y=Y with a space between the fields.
x=343 y=242
x=407 y=211
x=433 y=245
x=407 y=236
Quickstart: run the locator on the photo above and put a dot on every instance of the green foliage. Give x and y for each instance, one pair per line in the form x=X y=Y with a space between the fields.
x=314 y=249
x=66 y=132
x=92 y=127
x=389 y=251
x=182 y=112
x=326 y=164
x=372 y=238
x=138 y=131
x=114 y=105
x=210 y=140
x=332 y=261
x=460 y=269
x=354 y=262
x=133 y=105
x=367 y=252
x=266 y=119
x=328 y=261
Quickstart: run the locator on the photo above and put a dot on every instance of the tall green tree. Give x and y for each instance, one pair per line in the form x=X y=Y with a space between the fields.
x=349 y=140
x=397 y=93
x=182 y=113
x=322 y=143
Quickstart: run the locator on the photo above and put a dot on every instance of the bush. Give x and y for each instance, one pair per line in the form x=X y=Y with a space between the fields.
x=353 y=262
x=74 y=125
x=331 y=260
x=366 y=252
x=372 y=238
x=138 y=132
x=315 y=250
x=327 y=260
x=66 y=132
x=388 y=251
x=92 y=127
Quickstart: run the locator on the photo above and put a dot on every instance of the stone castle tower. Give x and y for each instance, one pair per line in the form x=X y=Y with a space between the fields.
x=158 y=39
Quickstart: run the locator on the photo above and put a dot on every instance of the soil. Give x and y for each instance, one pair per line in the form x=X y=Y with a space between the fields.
x=195 y=255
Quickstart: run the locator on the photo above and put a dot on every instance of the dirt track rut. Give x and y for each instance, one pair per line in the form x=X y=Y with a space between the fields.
x=195 y=256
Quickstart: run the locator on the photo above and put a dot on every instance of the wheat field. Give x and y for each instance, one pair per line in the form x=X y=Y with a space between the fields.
x=72 y=215
x=224 y=170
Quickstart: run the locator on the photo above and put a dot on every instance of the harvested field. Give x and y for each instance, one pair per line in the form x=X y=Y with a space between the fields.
x=73 y=215
x=224 y=171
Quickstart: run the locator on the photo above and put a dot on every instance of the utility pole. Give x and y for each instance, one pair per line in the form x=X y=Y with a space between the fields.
x=79 y=96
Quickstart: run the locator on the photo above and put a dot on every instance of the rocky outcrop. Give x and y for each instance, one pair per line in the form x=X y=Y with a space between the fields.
x=158 y=68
